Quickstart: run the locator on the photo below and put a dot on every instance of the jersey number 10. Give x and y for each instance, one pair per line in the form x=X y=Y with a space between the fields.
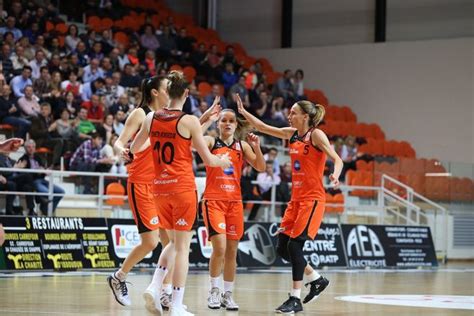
x=165 y=153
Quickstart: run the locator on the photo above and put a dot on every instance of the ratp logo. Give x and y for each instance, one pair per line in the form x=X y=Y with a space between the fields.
x=125 y=238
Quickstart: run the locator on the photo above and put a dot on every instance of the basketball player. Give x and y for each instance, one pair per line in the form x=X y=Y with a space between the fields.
x=170 y=133
x=309 y=147
x=222 y=205
x=140 y=187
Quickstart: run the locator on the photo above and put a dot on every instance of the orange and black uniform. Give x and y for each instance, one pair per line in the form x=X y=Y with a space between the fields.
x=222 y=202
x=306 y=209
x=174 y=183
x=141 y=173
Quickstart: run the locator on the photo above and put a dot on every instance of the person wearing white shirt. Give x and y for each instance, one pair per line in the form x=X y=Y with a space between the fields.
x=265 y=181
x=36 y=64
x=92 y=71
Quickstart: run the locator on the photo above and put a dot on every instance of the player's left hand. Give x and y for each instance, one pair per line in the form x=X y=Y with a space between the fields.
x=334 y=181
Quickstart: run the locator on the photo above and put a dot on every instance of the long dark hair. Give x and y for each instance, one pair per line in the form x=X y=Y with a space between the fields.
x=146 y=86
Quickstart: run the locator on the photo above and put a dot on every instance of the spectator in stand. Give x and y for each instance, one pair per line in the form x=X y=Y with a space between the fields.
x=19 y=59
x=9 y=39
x=55 y=48
x=272 y=155
x=72 y=85
x=149 y=64
x=93 y=87
x=263 y=107
x=203 y=106
x=148 y=39
x=229 y=77
x=87 y=158
x=72 y=38
x=184 y=44
x=95 y=109
x=108 y=125
x=15 y=181
x=349 y=155
x=216 y=92
x=119 y=119
x=19 y=82
x=133 y=57
x=41 y=87
x=123 y=105
x=106 y=67
x=122 y=56
x=32 y=32
x=84 y=127
x=299 y=84
x=265 y=182
x=107 y=41
x=28 y=103
x=39 y=45
x=130 y=79
x=10 y=27
x=81 y=52
x=279 y=112
x=192 y=101
x=108 y=152
x=66 y=129
x=240 y=89
x=96 y=51
x=69 y=103
x=167 y=47
x=229 y=57
x=254 y=94
x=41 y=185
x=40 y=132
x=114 y=59
x=55 y=64
x=285 y=173
x=198 y=59
x=284 y=86
x=251 y=79
x=214 y=62
x=36 y=64
x=10 y=113
x=92 y=71
x=7 y=64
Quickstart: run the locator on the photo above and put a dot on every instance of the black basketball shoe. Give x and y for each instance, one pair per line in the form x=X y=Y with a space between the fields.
x=316 y=287
x=291 y=306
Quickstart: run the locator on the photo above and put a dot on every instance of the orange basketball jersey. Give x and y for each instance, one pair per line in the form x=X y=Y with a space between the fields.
x=172 y=154
x=225 y=184
x=141 y=169
x=307 y=168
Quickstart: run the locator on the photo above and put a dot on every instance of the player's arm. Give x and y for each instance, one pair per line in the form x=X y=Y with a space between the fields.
x=142 y=140
x=192 y=123
x=210 y=141
x=132 y=125
x=320 y=140
x=283 y=133
x=252 y=152
x=211 y=115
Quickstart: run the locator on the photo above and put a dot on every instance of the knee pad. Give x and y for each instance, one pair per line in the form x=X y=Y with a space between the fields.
x=282 y=246
x=298 y=262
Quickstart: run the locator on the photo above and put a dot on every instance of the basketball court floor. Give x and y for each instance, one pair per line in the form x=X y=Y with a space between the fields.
x=445 y=291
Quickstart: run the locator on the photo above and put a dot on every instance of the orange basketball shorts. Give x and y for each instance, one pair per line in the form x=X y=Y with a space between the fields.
x=302 y=219
x=144 y=208
x=224 y=217
x=177 y=211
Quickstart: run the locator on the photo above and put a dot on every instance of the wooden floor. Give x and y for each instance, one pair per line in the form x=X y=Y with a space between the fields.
x=258 y=293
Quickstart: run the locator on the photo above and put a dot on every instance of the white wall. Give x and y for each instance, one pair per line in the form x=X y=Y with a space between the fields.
x=417 y=91
x=254 y=24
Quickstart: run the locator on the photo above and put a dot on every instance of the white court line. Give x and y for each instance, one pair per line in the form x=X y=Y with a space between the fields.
x=430 y=301
x=14 y=228
x=96 y=228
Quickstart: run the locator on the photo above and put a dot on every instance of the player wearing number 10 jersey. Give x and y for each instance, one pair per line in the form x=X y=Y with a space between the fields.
x=171 y=133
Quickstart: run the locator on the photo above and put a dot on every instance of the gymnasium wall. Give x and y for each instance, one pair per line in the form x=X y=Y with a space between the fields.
x=417 y=91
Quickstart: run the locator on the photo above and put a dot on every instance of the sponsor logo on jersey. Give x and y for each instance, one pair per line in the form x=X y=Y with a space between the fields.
x=154 y=220
x=228 y=187
x=297 y=165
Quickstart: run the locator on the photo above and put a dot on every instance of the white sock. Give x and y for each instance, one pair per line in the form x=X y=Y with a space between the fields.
x=178 y=294
x=296 y=293
x=215 y=282
x=313 y=276
x=158 y=277
x=228 y=286
x=119 y=274
x=167 y=289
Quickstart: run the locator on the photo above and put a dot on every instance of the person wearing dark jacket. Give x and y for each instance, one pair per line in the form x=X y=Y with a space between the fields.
x=10 y=113
x=40 y=132
x=32 y=160
x=15 y=181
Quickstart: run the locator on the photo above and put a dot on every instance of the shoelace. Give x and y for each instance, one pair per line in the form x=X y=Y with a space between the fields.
x=215 y=297
x=230 y=300
x=122 y=287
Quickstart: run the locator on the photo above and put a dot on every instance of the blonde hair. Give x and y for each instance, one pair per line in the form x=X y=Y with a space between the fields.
x=177 y=84
x=315 y=111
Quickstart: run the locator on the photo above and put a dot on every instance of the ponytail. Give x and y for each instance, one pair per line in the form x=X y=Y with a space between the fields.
x=146 y=86
x=316 y=112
